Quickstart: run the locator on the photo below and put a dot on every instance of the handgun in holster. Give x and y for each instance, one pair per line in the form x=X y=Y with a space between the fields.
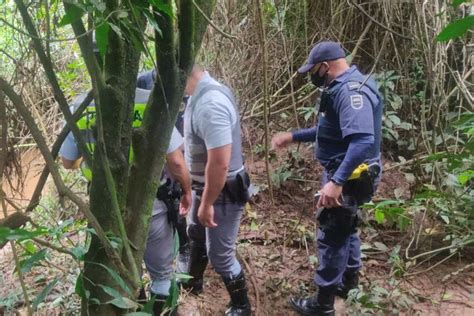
x=361 y=183
x=170 y=193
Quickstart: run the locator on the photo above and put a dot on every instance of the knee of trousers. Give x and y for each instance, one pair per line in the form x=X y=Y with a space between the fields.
x=225 y=265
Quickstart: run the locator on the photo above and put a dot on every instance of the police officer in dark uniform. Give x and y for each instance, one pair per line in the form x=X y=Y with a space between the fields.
x=348 y=141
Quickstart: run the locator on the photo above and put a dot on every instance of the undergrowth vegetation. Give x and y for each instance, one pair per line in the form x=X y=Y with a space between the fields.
x=420 y=53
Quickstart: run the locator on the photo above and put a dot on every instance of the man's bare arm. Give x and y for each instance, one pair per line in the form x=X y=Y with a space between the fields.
x=217 y=167
x=177 y=167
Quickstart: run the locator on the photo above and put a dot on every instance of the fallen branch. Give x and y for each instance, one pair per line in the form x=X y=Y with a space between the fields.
x=251 y=275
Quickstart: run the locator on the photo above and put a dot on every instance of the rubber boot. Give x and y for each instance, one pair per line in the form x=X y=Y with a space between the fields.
x=239 y=302
x=160 y=309
x=197 y=265
x=349 y=282
x=320 y=304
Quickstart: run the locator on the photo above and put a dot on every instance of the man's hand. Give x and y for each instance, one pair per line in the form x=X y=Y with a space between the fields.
x=185 y=203
x=206 y=215
x=281 y=140
x=330 y=195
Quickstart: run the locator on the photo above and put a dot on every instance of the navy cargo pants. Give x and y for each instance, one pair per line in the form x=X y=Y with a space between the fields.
x=337 y=239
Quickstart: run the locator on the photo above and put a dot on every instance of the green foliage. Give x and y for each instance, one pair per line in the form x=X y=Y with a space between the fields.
x=44 y=293
x=393 y=127
x=281 y=174
x=456 y=29
x=390 y=213
x=32 y=260
x=307 y=112
x=377 y=300
x=19 y=234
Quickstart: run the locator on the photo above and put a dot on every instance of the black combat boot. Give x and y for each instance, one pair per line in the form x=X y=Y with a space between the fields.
x=349 y=282
x=239 y=302
x=197 y=266
x=160 y=309
x=320 y=304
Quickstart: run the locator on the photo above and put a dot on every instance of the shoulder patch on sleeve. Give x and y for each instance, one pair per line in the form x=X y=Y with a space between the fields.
x=357 y=102
x=353 y=85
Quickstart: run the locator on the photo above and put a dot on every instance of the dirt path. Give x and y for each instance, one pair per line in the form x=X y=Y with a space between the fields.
x=19 y=188
x=276 y=248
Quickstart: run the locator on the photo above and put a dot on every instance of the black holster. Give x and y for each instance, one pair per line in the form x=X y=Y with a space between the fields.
x=237 y=188
x=170 y=193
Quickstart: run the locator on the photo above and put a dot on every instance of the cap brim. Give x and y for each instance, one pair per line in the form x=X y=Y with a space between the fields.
x=305 y=68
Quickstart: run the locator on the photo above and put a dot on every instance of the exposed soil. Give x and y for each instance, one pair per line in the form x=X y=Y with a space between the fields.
x=276 y=249
x=19 y=186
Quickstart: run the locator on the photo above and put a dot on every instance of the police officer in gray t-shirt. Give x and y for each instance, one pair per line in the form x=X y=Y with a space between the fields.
x=159 y=248
x=214 y=157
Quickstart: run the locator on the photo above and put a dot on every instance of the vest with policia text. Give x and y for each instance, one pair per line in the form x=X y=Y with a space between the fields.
x=86 y=125
x=196 y=151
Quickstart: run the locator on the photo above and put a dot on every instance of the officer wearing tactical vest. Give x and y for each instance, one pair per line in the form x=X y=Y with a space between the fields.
x=159 y=249
x=348 y=138
x=214 y=156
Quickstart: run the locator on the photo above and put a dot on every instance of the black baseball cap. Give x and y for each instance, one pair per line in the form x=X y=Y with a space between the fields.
x=323 y=51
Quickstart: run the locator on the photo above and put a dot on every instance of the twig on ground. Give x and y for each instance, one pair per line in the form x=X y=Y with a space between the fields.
x=251 y=274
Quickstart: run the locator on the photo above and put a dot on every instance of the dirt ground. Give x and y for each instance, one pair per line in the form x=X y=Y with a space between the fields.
x=276 y=248
x=23 y=183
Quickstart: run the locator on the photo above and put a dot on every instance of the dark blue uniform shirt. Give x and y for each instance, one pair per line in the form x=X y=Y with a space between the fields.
x=351 y=105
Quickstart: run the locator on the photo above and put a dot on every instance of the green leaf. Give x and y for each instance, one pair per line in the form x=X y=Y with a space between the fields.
x=380 y=246
x=175 y=244
x=116 y=278
x=42 y=295
x=123 y=303
x=148 y=307
x=19 y=234
x=152 y=21
x=80 y=289
x=162 y=7
x=379 y=216
x=101 y=33
x=27 y=264
x=182 y=276
x=73 y=13
x=112 y=292
x=456 y=29
x=79 y=252
x=172 y=300
x=387 y=203
x=466 y=176
x=457 y=3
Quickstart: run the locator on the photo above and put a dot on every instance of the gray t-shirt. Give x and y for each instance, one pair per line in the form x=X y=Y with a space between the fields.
x=213 y=118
